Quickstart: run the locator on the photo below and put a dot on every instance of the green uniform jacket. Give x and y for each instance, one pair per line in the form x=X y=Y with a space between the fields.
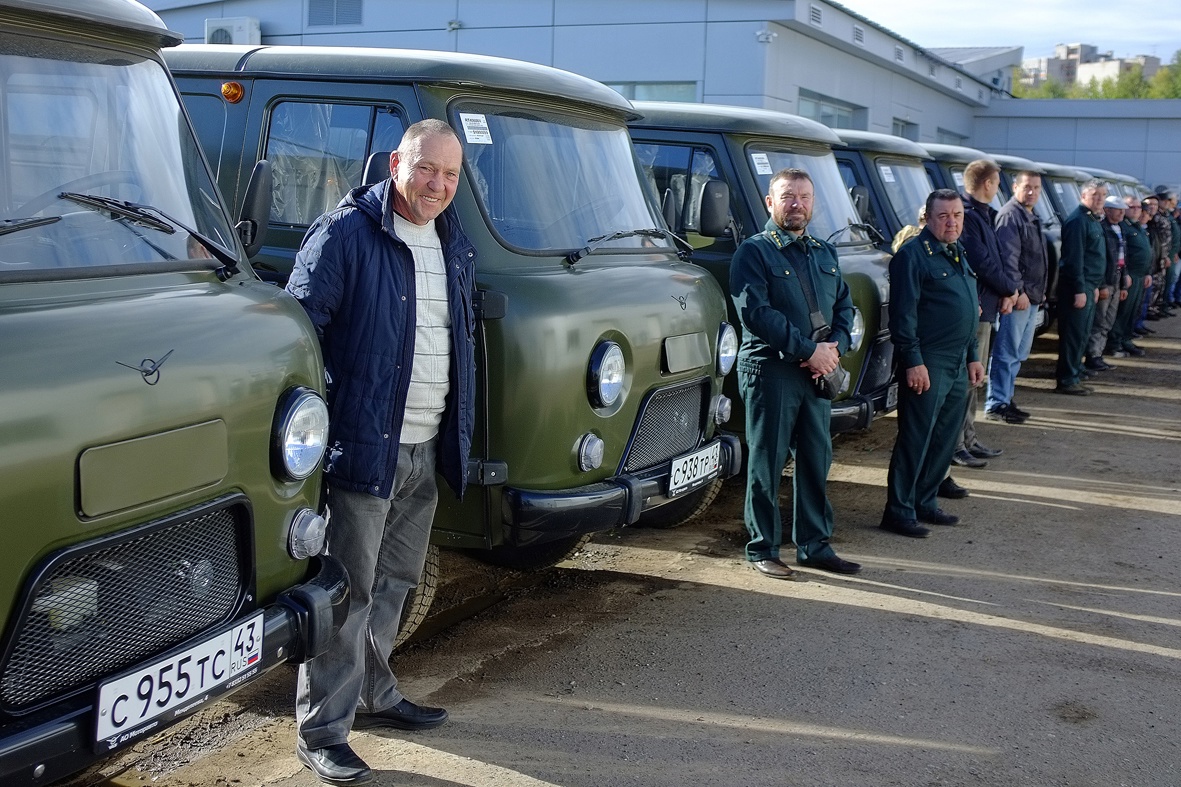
x=1138 y=251
x=1084 y=252
x=933 y=304
x=764 y=283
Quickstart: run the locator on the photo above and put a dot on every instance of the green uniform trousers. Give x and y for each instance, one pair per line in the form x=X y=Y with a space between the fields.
x=929 y=425
x=1074 y=329
x=1125 y=317
x=784 y=414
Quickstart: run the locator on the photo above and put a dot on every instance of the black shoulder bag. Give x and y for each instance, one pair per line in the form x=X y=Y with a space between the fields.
x=827 y=386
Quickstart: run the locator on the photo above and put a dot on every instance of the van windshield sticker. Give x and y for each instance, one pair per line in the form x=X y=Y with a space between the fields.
x=475 y=129
x=762 y=164
x=959 y=179
x=887 y=173
x=1058 y=187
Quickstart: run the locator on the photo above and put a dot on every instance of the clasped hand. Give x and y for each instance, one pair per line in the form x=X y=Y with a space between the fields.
x=823 y=360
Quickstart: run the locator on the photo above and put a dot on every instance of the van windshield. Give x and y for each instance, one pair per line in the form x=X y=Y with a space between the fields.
x=550 y=182
x=1068 y=194
x=1044 y=211
x=833 y=215
x=85 y=125
x=906 y=185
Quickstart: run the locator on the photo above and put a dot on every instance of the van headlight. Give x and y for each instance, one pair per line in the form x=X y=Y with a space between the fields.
x=300 y=434
x=727 y=348
x=306 y=536
x=604 y=379
x=857 y=332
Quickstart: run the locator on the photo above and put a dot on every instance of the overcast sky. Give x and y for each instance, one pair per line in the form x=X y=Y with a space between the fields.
x=1124 y=28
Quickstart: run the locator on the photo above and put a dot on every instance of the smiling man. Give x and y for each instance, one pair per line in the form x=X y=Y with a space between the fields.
x=386 y=278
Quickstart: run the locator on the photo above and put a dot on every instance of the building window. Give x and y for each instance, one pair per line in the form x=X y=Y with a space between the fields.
x=656 y=91
x=906 y=129
x=945 y=137
x=816 y=16
x=832 y=112
x=324 y=13
x=858 y=35
x=899 y=55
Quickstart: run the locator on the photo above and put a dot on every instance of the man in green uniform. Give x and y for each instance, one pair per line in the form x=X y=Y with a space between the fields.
x=1080 y=275
x=934 y=310
x=783 y=350
x=1139 y=269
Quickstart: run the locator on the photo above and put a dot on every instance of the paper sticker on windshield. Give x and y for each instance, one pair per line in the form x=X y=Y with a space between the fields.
x=762 y=164
x=958 y=177
x=887 y=173
x=475 y=129
x=1058 y=187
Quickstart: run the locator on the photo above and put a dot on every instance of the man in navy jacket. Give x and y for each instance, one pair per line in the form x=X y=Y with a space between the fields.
x=387 y=280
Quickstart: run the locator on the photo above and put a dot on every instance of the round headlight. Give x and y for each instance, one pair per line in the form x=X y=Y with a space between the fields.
x=727 y=348
x=722 y=409
x=307 y=534
x=605 y=375
x=858 y=331
x=301 y=434
x=590 y=452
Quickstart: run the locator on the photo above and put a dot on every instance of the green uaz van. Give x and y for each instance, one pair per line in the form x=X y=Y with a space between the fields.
x=600 y=353
x=160 y=408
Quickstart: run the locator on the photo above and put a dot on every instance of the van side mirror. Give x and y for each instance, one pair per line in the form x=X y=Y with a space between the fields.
x=256 y=209
x=860 y=195
x=715 y=209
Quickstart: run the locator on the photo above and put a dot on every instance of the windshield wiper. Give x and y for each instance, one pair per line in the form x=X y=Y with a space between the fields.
x=146 y=215
x=8 y=226
x=869 y=228
x=650 y=232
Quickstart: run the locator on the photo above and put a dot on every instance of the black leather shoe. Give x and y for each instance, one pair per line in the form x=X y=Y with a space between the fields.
x=965 y=459
x=1023 y=413
x=403 y=716
x=775 y=568
x=832 y=563
x=336 y=764
x=1078 y=389
x=984 y=452
x=938 y=517
x=1006 y=414
x=1096 y=364
x=949 y=489
x=905 y=527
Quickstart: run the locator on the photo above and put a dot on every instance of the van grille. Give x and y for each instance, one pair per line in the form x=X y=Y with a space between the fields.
x=99 y=608
x=671 y=422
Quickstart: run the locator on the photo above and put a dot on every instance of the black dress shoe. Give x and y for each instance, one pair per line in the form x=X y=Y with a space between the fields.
x=403 y=716
x=1023 y=413
x=1096 y=364
x=775 y=568
x=337 y=764
x=1132 y=350
x=949 y=489
x=905 y=527
x=1146 y=330
x=938 y=517
x=984 y=452
x=832 y=563
x=965 y=459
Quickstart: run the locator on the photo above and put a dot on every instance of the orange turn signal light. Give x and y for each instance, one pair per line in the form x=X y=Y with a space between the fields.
x=232 y=91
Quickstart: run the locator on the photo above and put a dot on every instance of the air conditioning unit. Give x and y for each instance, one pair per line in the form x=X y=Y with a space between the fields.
x=233 y=30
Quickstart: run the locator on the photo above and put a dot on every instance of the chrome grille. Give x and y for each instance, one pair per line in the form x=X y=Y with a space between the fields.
x=670 y=424
x=94 y=612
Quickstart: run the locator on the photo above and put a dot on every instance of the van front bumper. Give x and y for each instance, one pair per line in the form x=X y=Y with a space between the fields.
x=59 y=740
x=536 y=516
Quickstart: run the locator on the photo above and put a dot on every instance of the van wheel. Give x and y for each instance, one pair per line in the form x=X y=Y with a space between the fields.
x=532 y=558
x=420 y=597
x=677 y=512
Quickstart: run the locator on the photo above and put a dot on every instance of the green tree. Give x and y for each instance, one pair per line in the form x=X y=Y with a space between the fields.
x=1166 y=83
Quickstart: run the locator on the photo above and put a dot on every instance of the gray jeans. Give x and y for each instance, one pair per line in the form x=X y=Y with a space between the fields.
x=1105 y=311
x=383 y=545
x=983 y=347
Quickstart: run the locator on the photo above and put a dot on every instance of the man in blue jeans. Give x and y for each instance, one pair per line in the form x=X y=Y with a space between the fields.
x=1023 y=249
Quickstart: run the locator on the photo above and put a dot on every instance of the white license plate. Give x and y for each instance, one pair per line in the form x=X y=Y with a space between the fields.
x=177 y=684
x=892 y=396
x=693 y=470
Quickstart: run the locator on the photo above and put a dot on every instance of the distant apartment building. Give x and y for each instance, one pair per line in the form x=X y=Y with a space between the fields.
x=1080 y=63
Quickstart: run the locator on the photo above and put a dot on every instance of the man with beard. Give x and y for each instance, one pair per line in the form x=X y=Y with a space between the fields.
x=934 y=308
x=785 y=346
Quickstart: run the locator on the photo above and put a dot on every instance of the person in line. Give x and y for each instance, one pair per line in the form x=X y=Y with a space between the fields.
x=1080 y=274
x=1172 y=273
x=1114 y=289
x=387 y=280
x=934 y=313
x=1023 y=248
x=1160 y=232
x=997 y=284
x=1139 y=269
x=782 y=351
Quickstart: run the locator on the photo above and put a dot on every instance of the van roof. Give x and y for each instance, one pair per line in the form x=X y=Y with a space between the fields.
x=1062 y=170
x=732 y=119
x=953 y=153
x=1017 y=163
x=362 y=64
x=118 y=15
x=881 y=143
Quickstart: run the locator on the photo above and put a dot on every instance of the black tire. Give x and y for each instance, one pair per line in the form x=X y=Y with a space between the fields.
x=420 y=597
x=684 y=509
x=533 y=558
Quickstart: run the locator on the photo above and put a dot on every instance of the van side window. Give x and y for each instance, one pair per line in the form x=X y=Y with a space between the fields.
x=318 y=152
x=208 y=113
x=676 y=175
